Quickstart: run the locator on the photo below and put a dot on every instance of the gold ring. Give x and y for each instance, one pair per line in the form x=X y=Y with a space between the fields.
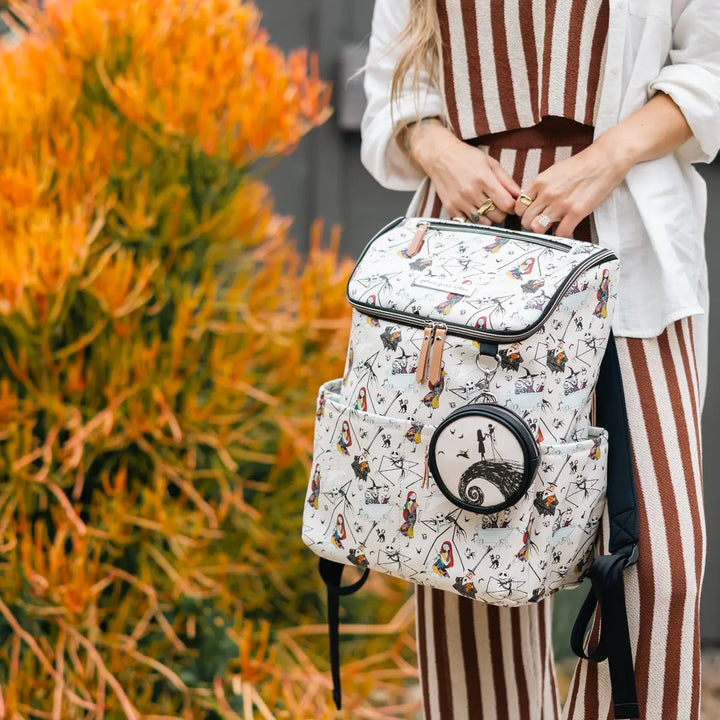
x=486 y=207
x=459 y=218
x=525 y=199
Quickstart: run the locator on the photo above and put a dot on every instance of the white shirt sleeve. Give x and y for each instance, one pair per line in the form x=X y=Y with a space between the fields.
x=379 y=151
x=692 y=77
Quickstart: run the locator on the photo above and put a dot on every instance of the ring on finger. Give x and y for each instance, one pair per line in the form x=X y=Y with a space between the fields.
x=459 y=218
x=544 y=220
x=525 y=199
x=486 y=207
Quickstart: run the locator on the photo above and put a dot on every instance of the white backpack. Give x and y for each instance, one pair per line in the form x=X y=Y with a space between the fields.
x=457 y=451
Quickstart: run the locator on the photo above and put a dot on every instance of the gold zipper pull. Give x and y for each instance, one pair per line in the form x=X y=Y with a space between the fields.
x=421 y=372
x=418 y=240
x=437 y=353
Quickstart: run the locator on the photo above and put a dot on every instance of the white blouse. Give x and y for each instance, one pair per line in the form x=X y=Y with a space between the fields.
x=655 y=220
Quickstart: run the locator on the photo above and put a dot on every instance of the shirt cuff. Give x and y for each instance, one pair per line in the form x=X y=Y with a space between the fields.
x=380 y=153
x=697 y=93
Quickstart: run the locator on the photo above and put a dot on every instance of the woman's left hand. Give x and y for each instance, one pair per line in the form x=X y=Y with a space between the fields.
x=572 y=189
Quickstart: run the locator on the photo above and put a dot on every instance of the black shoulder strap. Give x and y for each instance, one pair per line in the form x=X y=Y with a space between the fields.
x=606 y=574
x=331 y=573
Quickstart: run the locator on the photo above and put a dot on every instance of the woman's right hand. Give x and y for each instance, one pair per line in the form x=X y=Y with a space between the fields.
x=463 y=176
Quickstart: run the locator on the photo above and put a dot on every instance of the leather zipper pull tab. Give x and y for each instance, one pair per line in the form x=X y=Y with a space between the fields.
x=421 y=372
x=437 y=353
x=418 y=240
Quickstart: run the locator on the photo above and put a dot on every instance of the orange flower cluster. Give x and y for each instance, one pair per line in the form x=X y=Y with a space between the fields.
x=98 y=89
x=198 y=71
x=160 y=344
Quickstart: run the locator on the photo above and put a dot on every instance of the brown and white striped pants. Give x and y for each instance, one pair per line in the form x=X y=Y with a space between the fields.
x=483 y=662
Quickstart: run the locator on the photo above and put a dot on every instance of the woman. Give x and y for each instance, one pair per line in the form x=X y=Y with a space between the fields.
x=583 y=116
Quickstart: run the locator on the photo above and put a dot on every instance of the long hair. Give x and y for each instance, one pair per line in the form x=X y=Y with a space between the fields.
x=420 y=41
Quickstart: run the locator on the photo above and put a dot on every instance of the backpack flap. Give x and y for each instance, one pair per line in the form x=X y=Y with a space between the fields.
x=481 y=282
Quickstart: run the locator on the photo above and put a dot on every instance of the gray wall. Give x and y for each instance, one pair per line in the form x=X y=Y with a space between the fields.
x=325 y=179
x=710 y=617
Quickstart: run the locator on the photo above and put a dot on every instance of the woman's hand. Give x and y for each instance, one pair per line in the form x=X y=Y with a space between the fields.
x=463 y=176
x=572 y=189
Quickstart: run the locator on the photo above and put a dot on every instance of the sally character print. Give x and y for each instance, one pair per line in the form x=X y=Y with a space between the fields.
x=447 y=305
x=414 y=434
x=345 y=441
x=321 y=407
x=524 y=551
x=495 y=246
x=315 y=488
x=361 y=402
x=603 y=294
x=444 y=560
x=523 y=268
x=339 y=533
x=409 y=515
x=432 y=399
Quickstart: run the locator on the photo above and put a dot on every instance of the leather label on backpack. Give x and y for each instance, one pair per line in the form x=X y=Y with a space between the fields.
x=445 y=284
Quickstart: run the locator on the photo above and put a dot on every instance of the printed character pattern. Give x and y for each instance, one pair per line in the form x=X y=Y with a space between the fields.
x=547 y=378
x=374 y=426
x=315 y=487
x=386 y=518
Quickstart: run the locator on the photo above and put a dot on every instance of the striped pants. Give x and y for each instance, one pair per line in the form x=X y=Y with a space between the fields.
x=482 y=662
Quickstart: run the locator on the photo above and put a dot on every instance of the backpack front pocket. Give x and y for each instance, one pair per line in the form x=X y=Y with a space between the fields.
x=374 y=501
x=369 y=473
x=568 y=506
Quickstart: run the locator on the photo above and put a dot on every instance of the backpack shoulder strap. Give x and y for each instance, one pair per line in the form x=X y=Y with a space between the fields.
x=607 y=593
x=331 y=573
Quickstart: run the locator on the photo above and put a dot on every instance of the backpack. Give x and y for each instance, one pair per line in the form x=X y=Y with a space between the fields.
x=462 y=448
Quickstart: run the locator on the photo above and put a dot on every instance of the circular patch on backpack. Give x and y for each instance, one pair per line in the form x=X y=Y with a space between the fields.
x=483 y=457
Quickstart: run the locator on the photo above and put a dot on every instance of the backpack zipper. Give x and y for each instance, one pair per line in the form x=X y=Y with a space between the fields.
x=491 y=231
x=505 y=336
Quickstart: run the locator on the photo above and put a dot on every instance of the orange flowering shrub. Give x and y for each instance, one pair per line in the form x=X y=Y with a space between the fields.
x=161 y=342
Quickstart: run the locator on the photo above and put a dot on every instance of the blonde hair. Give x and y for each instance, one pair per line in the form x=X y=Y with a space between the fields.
x=421 y=41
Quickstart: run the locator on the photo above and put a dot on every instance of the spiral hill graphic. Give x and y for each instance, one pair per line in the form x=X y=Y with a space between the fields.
x=505 y=476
